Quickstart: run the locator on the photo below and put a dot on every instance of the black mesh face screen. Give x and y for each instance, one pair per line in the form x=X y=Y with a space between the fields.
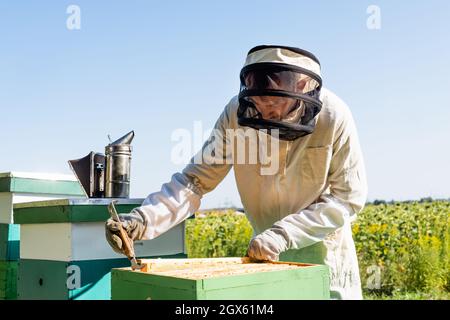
x=272 y=80
x=250 y=117
x=275 y=85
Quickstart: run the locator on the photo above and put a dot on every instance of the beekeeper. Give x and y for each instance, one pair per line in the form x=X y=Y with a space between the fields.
x=300 y=197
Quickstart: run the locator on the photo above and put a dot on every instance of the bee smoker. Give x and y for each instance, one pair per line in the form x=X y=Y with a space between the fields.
x=106 y=175
x=118 y=160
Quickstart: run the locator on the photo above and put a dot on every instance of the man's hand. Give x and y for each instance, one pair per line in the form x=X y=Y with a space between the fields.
x=267 y=246
x=133 y=223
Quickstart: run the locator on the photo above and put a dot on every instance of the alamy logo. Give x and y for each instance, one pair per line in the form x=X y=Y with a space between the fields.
x=374 y=19
x=374 y=277
x=74 y=277
x=73 y=21
x=229 y=146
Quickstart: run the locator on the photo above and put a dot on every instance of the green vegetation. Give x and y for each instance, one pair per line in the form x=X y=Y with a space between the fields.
x=404 y=245
x=218 y=234
x=410 y=243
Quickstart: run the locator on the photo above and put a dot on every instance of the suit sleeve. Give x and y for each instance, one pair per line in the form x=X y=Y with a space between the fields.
x=181 y=196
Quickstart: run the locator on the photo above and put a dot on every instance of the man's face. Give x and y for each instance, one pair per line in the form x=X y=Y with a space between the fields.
x=272 y=107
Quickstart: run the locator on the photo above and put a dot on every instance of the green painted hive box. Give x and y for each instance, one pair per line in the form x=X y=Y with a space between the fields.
x=8 y=280
x=68 y=280
x=220 y=279
x=74 y=230
x=22 y=187
x=19 y=187
x=64 y=253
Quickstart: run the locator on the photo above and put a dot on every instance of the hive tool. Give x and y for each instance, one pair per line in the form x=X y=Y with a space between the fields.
x=127 y=243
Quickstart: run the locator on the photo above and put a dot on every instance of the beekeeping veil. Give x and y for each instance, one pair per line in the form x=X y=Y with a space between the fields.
x=281 y=73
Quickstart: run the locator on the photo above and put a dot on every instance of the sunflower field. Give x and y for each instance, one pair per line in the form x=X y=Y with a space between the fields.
x=403 y=247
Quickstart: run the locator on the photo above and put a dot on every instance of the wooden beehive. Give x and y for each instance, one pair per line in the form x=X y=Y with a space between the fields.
x=221 y=279
x=21 y=187
x=64 y=253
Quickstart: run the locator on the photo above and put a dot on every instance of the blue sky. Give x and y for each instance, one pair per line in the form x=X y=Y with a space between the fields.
x=158 y=66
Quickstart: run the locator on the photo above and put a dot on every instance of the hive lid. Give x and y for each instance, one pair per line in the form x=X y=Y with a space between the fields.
x=70 y=210
x=38 y=176
x=40 y=183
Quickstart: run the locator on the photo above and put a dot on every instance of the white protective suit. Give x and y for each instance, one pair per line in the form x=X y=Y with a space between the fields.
x=315 y=194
